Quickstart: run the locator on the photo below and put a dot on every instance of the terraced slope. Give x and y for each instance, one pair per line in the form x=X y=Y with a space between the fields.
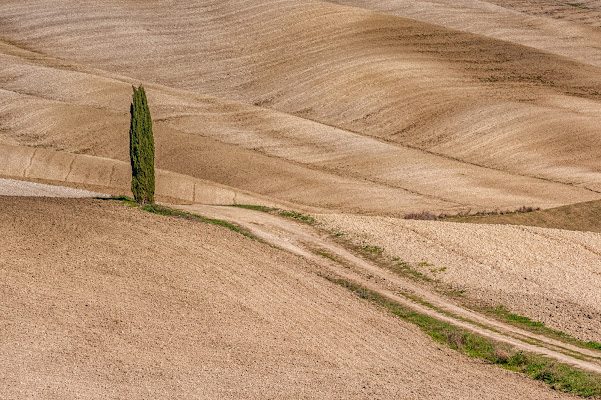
x=309 y=102
x=186 y=310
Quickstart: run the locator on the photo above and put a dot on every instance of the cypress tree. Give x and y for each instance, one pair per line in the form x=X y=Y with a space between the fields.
x=141 y=148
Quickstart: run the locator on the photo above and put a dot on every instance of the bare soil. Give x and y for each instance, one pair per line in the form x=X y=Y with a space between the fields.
x=575 y=217
x=100 y=300
x=12 y=187
x=315 y=103
x=357 y=110
x=549 y=275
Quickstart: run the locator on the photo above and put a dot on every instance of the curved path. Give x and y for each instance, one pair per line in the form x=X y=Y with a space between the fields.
x=305 y=240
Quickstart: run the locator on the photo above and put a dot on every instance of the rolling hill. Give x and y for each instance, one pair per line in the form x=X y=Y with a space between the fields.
x=356 y=112
x=325 y=102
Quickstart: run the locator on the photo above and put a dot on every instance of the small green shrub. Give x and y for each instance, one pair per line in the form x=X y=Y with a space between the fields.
x=298 y=216
x=372 y=249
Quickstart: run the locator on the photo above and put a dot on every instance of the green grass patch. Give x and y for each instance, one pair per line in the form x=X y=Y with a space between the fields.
x=454 y=292
x=255 y=208
x=328 y=256
x=593 y=345
x=373 y=249
x=559 y=376
x=518 y=319
x=162 y=210
x=539 y=327
x=375 y=254
x=170 y=212
x=404 y=268
x=304 y=218
x=578 y=5
x=124 y=199
x=440 y=331
x=307 y=219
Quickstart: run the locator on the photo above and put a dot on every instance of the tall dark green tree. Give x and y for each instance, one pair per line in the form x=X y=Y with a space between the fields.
x=141 y=148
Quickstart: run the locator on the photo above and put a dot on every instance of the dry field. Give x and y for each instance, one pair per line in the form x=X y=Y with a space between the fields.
x=100 y=300
x=550 y=275
x=311 y=102
x=574 y=217
x=355 y=111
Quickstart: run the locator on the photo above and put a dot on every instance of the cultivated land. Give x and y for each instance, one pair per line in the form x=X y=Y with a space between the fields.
x=187 y=310
x=356 y=112
x=548 y=274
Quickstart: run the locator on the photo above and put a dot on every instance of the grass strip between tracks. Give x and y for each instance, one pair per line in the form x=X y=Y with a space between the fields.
x=561 y=377
x=529 y=340
x=300 y=217
x=558 y=376
x=539 y=327
x=162 y=210
x=405 y=269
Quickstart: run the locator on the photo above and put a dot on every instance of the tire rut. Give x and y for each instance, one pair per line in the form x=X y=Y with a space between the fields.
x=304 y=240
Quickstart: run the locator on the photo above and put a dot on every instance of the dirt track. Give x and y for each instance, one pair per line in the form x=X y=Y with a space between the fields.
x=341 y=108
x=305 y=241
x=549 y=275
x=104 y=301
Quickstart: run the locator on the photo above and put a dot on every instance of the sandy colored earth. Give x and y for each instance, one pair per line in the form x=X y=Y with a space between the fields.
x=549 y=275
x=574 y=217
x=314 y=103
x=12 y=187
x=341 y=262
x=358 y=111
x=100 y=300
x=567 y=29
